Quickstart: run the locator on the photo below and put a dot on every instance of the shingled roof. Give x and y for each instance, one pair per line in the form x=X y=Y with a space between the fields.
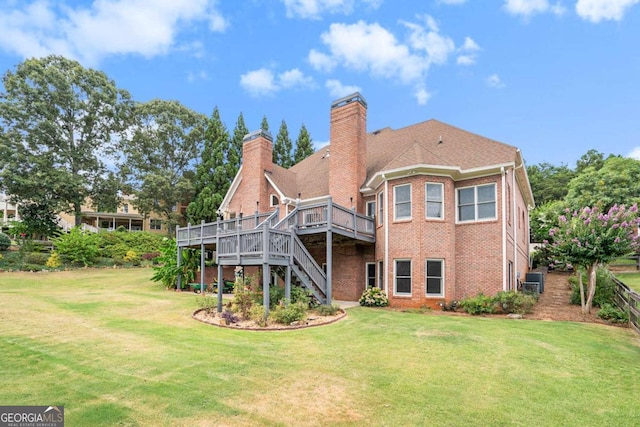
x=431 y=143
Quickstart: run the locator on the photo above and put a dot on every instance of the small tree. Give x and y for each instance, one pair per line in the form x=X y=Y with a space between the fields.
x=590 y=238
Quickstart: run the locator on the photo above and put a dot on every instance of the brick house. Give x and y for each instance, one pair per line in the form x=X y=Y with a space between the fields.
x=429 y=213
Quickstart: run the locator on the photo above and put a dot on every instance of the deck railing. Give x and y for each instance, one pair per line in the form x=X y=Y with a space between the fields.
x=303 y=218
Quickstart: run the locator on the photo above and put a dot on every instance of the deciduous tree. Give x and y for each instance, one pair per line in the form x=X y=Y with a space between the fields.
x=590 y=237
x=60 y=122
x=160 y=156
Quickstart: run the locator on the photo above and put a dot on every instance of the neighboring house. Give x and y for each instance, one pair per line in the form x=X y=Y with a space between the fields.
x=429 y=213
x=8 y=210
x=127 y=216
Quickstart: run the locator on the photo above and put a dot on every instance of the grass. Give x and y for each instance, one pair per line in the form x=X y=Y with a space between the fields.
x=632 y=280
x=117 y=349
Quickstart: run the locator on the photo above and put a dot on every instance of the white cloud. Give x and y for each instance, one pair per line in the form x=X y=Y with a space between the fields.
x=373 y=49
x=293 y=78
x=422 y=96
x=635 y=153
x=468 y=52
x=263 y=81
x=321 y=61
x=338 y=90
x=494 y=81
x=106 y=27
x=313 y=9
x=527 y=8
x=192 y=76
x=602 y=10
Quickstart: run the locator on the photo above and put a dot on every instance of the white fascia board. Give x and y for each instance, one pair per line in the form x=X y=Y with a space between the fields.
x=224 y=206
x=453 y=172
x=281 y=195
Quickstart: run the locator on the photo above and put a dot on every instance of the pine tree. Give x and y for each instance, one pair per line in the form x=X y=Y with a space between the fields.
x=265 y=124
x=212 y=179
x=234 y=156
x=304 y=146
x=283 y=147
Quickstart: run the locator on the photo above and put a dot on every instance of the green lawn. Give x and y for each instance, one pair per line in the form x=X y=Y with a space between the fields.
x=117 y=349
x=632 y=280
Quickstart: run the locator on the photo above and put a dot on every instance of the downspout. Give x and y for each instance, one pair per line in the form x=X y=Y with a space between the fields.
x=514 y=223
x=386 y=235
x=504 y=229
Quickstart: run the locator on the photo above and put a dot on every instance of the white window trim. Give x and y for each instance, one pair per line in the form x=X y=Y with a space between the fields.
x=366 y=274
x=380 y=196
x=406 y=218
x=442 y=278
x=395 y=284
x=475 y=204
x=375 y=206
x=271 y=197
x=434 y=218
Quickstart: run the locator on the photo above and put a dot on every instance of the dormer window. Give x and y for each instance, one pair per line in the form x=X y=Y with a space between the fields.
x=273 y=201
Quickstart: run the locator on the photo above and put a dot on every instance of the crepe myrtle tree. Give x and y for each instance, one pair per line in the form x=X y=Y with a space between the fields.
x=590 y=237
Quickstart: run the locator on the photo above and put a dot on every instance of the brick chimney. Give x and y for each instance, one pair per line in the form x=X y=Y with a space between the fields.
x=257 y=152
x=348 y=151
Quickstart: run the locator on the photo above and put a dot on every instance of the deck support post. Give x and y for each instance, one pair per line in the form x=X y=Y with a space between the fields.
x=220 y=279
x=202 y=286
x=287 y=284
x=266 y=269
x=329 y=250
x=179 y=262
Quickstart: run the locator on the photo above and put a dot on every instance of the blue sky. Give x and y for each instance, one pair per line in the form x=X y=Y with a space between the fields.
x=554 y=78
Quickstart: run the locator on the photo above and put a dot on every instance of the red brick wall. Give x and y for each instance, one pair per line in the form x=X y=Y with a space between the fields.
x=347 y=154
x=256 y=159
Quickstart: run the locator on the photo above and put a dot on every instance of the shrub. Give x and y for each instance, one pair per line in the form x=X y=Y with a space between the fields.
x=612 y=314
x=77 y=246
x=35 y=258
x=31 y=267
x=480 y=304
x=5 y=242
x=515 y=302
x=605 y=288
x=132 y=257
x=229 y=317
x=288 y=313
x=54 y=260
x=327 y=309
x=259 y=315
x=209 y=305
x=374 y=297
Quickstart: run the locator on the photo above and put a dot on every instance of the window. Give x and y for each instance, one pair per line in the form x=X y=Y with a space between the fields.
x=155 y=224
x=380 y=208
x=125 y=208
x=371 y=209
x=370 y=274
x=273 y=200
x=477 y=203
x=402 y=202
x=402 y=277
x=433 y=196
x=435 y=278
x=381 y=274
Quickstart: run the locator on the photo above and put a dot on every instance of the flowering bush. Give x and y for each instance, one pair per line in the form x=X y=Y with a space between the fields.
x=589 y=237
x=54 y=260
x=374 y=297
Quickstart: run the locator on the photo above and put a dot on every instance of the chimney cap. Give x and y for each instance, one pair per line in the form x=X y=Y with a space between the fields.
x=257 y=134
x=348 y=99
